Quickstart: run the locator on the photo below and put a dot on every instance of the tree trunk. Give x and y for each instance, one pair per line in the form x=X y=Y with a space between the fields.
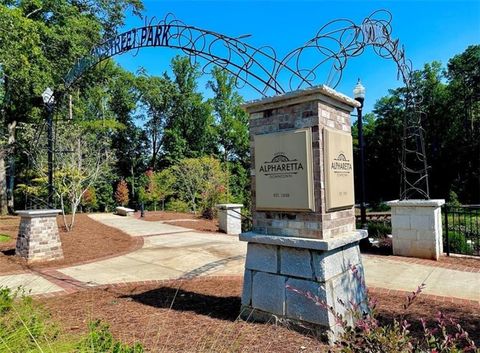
x=4 y=202
x=3 y=186
x=64 y=216
x=74 y=211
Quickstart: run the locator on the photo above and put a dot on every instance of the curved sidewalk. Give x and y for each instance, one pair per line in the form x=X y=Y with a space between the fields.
x=172 y=252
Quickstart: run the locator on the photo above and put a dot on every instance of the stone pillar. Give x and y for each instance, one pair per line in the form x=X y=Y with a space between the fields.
x=303 y=235
x=417 y=228
x=38 y=238
x=230 y=218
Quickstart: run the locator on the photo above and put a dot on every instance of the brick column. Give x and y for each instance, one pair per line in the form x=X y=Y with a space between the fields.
x=38 y=238
x=313 y=249
x=417 y=228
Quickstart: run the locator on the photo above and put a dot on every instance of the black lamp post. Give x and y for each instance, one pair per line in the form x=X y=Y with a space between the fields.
x=49 y=101
x=359 y=95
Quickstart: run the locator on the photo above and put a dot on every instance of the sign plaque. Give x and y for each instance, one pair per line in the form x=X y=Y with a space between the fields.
x=338 y=169
x=283 y=171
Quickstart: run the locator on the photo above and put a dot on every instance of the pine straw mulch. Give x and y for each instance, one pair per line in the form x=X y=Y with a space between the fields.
x=200 y=315
x=87 y=241
x=187 y=220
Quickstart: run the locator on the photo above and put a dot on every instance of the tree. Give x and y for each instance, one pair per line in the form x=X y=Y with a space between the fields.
x=200 y=182
x=189 y=130
x=156 y=96
x=231 y=125
x=450 y=113
x=39 y=47
x=83 y=157
x=159 y=186
x=231 y=121
x=121 y=195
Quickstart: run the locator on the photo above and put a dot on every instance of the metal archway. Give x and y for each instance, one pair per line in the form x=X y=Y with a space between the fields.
x=261 y=69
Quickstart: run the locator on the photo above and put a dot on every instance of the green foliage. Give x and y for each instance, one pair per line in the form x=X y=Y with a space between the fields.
x=26 y=327
x=214 y=187
x=158 y=186
x=177 y=206
x=458 y=243
x=379 y=229
x=231 y=122
x=379 y=206
x=100 y=339
x=453 y=199
x=188 y=131
x=4 y=238
x=201 y=183
x=451 y=119
x=104 y=193
x=121 y=194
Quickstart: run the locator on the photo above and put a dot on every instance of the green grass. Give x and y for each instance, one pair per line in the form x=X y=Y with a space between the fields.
x=4 y=238
x=26 y=328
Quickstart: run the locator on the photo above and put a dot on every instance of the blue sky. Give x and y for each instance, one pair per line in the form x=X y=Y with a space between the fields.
x=429 y=30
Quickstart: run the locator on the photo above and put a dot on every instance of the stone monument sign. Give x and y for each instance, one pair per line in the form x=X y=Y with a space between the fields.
x=283 y=167
x=303 y=235
x=339 y=169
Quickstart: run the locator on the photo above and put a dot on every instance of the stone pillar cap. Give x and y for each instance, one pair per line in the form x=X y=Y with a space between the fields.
x=38 y=213
x=305 y=243
x=416 y=203
x=223 y=206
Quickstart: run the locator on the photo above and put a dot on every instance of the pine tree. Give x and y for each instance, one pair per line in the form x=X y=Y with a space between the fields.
x=121 y=195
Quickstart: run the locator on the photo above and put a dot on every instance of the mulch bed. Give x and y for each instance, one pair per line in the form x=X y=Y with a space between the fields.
x=461 y=261
x=187 y=220
x=384 y=248
x=87 y=241
x=203 y=317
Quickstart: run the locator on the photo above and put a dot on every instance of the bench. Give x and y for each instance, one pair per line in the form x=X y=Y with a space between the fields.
x=124 y=211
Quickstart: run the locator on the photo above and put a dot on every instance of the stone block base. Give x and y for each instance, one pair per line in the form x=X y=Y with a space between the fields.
x=276 y=271
x=38 y=238
x=417 y=228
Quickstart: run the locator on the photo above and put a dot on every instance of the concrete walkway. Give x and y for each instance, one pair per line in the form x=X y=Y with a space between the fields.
x=172 y=252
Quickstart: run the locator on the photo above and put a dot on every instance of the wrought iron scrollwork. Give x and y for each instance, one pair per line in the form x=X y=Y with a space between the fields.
x=261 y=69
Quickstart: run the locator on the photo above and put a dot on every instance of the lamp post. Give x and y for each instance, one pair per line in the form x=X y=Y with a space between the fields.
x=49 y=101
x=359 y=95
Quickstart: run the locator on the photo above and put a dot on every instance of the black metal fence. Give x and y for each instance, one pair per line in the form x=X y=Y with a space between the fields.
x=461 y=230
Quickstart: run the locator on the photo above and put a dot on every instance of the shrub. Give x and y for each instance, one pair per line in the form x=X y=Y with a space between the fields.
x=379 y=206
x=453 y=199
x=177 y=206
x=89 y=199
x=458 y=243
x=100 y=339
x=379 y=229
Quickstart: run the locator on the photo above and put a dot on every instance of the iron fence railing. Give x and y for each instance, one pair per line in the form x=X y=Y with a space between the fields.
x=461 y=230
